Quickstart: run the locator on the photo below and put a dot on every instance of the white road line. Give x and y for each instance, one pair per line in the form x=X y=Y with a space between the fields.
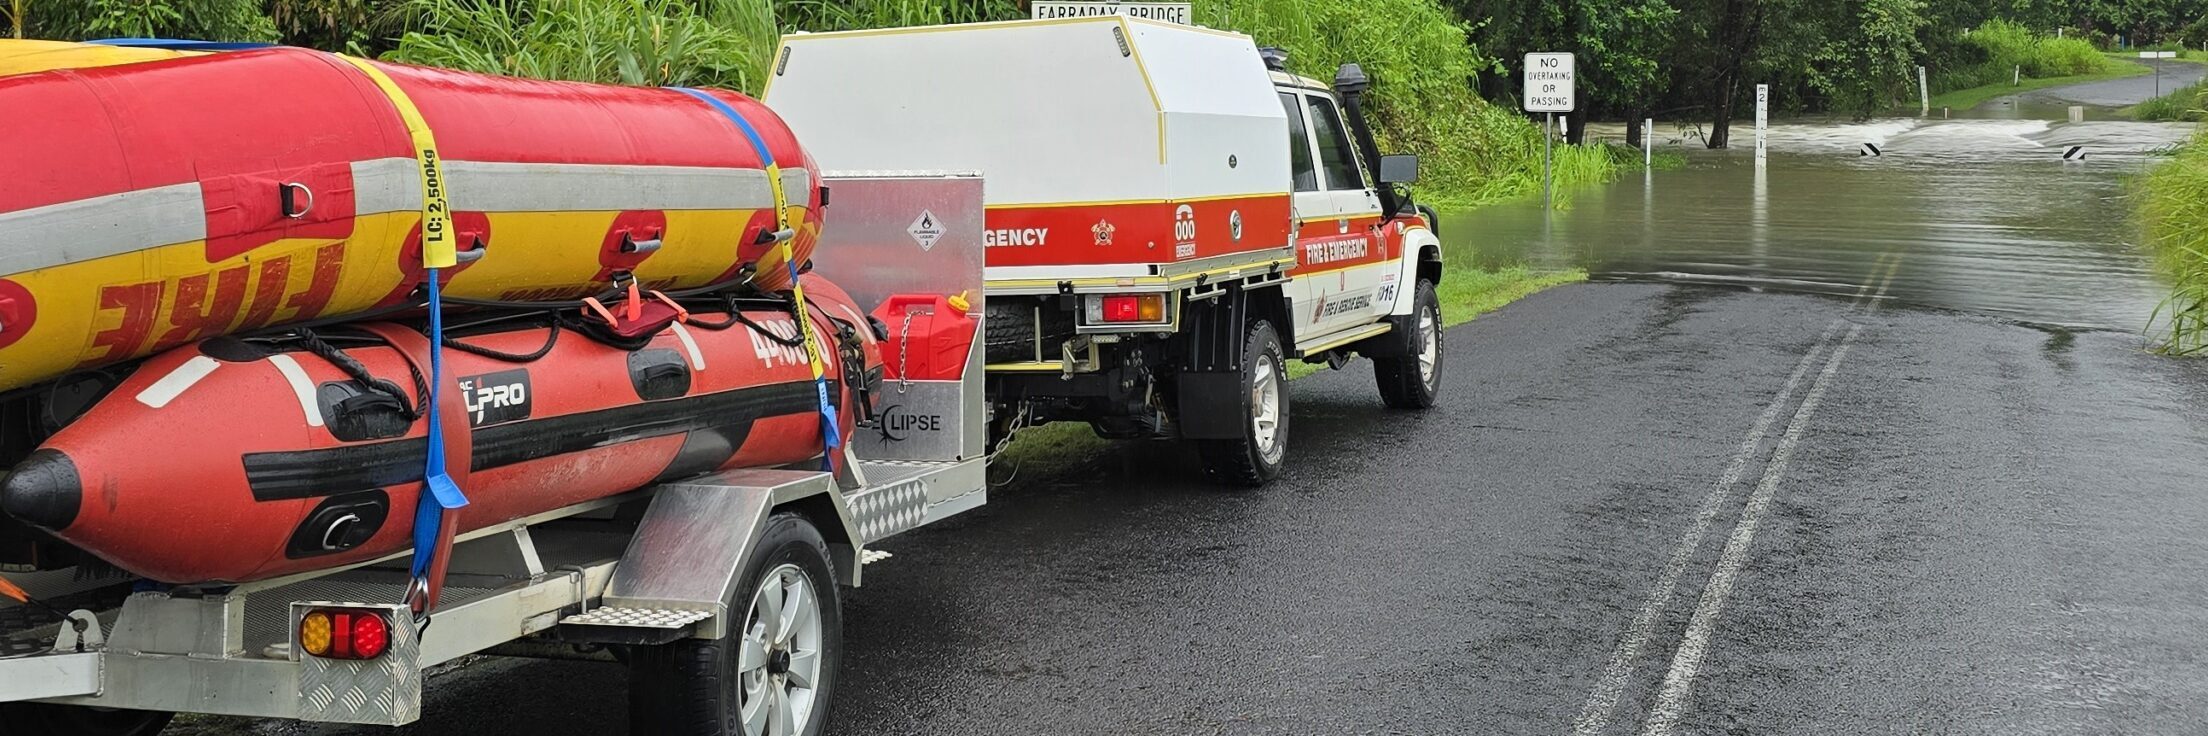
x=1671 y=701
x=1594 y=716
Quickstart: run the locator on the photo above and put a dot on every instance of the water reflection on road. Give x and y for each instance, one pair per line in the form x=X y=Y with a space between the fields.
x=1984 y=215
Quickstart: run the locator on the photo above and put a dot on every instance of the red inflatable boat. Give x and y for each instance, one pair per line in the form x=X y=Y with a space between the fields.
x=149 y=205
x=236 y=460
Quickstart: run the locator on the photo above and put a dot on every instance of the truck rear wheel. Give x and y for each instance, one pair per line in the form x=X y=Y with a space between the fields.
x=772 y=674
x=1256 y=457
x=1412 y=379
x=44 y=719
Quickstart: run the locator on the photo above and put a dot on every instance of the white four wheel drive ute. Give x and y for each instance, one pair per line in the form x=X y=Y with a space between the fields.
x=1171 y=217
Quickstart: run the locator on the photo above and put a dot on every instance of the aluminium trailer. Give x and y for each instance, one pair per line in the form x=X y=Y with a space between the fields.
x=742 y=564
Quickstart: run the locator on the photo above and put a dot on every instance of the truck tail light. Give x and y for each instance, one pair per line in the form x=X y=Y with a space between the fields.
x=1119 y=308
x=344 y=633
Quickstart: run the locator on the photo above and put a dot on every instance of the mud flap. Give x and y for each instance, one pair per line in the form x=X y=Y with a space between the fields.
x=1213 y=406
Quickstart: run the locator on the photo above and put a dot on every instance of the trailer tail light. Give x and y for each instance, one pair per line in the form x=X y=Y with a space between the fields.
x=344 y=633
x=1124 y=308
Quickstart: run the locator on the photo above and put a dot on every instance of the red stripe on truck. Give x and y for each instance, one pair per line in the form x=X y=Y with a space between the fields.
x=1134 y=232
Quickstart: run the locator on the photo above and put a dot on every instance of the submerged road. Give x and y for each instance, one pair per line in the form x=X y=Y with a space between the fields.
x=1641 y=509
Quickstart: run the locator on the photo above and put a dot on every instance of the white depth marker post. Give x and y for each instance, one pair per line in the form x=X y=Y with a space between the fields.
x=1763 y=119
x=1924 y=94
x=1648 y=143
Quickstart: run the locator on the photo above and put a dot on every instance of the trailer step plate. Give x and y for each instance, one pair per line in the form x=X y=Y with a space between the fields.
x=644 y=618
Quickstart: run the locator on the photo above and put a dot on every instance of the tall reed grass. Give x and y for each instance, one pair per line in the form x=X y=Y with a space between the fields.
x=2173 y=207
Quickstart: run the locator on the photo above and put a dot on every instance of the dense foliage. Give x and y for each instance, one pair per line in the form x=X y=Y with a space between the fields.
x=2173 y=204
x=1700 y=58
x=1418 y=53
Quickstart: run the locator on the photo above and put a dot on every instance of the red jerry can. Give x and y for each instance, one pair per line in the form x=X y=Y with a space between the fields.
x=930 y=336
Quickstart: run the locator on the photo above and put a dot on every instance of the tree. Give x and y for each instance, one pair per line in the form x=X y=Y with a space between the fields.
x=1865 y=68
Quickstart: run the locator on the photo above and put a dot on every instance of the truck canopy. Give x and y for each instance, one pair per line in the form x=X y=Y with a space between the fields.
x=1093 y=133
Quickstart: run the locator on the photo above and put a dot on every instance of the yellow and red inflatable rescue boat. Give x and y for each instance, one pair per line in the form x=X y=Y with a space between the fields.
x=149 y=205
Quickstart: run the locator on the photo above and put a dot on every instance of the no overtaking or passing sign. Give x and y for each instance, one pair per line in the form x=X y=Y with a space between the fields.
x=1169 y=12
x=1549 y=80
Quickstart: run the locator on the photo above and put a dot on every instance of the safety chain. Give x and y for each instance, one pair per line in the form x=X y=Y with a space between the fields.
x=904 y=342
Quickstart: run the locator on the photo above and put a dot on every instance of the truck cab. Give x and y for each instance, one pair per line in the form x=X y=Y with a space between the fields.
x=1172 y=217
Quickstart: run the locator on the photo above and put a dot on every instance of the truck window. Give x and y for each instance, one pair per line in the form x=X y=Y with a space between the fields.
x=1335 y=154
x=1299 y=145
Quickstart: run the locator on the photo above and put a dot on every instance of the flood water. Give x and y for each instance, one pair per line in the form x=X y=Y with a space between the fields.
x=1981 y=215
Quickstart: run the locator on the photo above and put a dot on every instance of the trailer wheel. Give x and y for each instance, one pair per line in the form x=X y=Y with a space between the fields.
x=1256 y=457
x=1412 y=380
x=44 y=719
x=773 y=674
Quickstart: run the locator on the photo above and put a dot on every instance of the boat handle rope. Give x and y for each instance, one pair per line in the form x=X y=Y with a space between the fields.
x=439 y=493
x=829 y=432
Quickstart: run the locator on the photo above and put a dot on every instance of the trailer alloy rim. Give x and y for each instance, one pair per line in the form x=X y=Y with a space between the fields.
x=779 y=664
x=1429 y=345
x=1265 y=406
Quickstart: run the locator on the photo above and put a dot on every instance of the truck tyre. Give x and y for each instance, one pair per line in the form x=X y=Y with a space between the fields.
x=44 y=719
x=774 y=673
x=1412 y=379
x=1256 y=457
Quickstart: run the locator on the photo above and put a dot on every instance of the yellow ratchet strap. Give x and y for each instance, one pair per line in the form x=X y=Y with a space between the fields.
x=438 y=249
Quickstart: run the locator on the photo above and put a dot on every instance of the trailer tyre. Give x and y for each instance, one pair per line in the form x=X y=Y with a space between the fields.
x=775 y=673
x=1256 y=457
x=43 y=719
x=1412 y=380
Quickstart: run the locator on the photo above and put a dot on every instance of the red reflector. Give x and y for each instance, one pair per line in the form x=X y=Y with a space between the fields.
x=1126 y=308
x=370 y=636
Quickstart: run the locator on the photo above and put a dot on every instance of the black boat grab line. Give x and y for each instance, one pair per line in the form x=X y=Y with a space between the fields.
x=296 y=474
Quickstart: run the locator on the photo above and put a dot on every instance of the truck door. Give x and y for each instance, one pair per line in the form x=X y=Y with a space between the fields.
x=1340 y=259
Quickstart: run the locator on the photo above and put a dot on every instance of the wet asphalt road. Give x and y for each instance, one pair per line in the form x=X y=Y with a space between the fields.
x=2127 y=90
x=1977 y=526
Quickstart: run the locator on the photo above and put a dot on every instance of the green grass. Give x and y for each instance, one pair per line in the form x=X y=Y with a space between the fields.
x=2184 y=104
x=1964 y=99
x=2173 y=209
x=1465 y=293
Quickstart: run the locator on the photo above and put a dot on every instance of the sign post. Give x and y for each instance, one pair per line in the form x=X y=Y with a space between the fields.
x=2154 y=58
x=1168 y=12
x=1550 y=80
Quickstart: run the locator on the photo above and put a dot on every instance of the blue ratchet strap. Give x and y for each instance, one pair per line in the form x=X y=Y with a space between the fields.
x=439 y=492
x=429 y=518
x=832 y=437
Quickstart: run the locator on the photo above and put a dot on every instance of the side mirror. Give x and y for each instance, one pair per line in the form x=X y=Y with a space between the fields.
x=1399 y=169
